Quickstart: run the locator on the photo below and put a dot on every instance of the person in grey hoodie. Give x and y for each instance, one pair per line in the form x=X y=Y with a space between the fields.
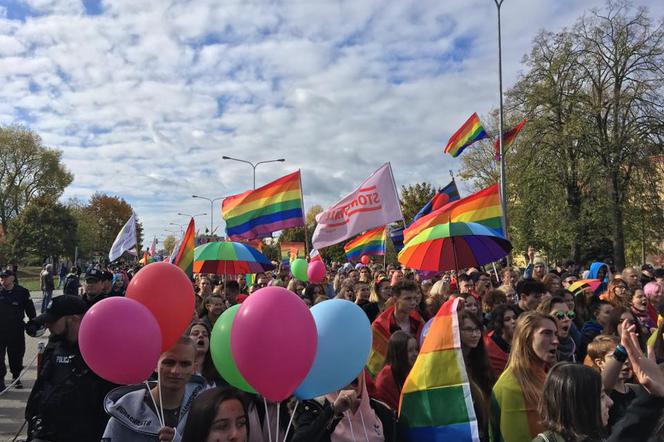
x=135 y=411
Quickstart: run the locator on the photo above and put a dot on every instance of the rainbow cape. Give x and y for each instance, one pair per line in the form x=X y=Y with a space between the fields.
x=470 y=132
x=508 y=137
x=482 y=207
x=370 y=243
x=512 y=419
x=185 y=255
x=257 y=213
x=436 y=403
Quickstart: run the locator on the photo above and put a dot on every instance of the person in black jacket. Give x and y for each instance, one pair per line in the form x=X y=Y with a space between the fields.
x=15 y=304
x=66 y=402
x=349 y=414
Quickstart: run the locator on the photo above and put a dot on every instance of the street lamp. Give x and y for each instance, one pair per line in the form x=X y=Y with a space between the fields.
x=181 y=226
x=211 y=200
x=191 y=216
x=254 y=165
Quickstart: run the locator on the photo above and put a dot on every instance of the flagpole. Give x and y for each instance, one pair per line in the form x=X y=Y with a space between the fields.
x=138 y=252
x=503 y=178
x=304 y=216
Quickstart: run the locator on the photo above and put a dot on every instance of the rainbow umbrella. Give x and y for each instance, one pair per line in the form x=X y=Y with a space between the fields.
x=229 y=258
x=582 y=285
x=453 y=246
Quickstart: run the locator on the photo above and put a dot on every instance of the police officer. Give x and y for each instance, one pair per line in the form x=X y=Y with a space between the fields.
x=94 y=287
x=15 y=303
x=66 y=402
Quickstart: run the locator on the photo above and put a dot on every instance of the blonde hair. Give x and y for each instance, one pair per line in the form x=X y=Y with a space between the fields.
x=440 y=289
x=522 y=358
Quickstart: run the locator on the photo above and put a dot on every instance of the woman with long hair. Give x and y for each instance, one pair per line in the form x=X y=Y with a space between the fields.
x=617 y=293
x=620 y=315
x=381 y=291
x=517 y=392
x=199 y=332
x=346 y=291
x=401 y=355
x=498 y=341
x=639 y=307
x=480 y=374
x=218 y=414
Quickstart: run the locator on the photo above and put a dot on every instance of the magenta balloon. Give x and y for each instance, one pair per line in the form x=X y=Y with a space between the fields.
x=120 y=340
x=316 y=271
x=273 y=341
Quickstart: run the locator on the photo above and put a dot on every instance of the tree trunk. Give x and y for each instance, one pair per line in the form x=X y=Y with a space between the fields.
x=618 y=227
x=574 y=204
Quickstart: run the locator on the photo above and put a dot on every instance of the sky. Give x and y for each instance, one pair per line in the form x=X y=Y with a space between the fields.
x=144 y=97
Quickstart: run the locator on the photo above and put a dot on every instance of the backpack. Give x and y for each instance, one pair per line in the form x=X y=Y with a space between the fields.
x=71 y=285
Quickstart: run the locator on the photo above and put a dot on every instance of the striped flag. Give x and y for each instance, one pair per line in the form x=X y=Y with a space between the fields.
x=370 y=243
x=436 y=403
x=396 y=235
x=445 y=195
x=508 y=137
x=185 y=255
x=470 y=132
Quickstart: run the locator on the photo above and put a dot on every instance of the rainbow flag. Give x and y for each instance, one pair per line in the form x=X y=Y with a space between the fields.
x=508 y=137
x=370 y=243
x=436 y=403
x=185 y=255
x=257 y=213
x=445 y=195
x=482 y=207
x=467 y=134
x=292 y=250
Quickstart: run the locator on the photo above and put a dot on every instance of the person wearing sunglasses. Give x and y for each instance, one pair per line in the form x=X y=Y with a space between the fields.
x=559 y=310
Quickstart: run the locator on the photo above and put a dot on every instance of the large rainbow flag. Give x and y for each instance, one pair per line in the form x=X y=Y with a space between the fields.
x=257 y=213
x=482 y=207
x=470 y=132
x=436 y=403
x=185 y=255
x=508 y=137
x=370 y=243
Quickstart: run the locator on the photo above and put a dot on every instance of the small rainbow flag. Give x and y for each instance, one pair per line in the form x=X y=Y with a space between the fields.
x=470 y=132
x=185 y=256
x=436 y=403
x=482 y=207
x=508 y=137
x=257 y=213
x=292 y=250
x=370 y=243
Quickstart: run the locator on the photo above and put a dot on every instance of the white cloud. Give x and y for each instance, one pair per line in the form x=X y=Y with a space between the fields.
x=146 y=97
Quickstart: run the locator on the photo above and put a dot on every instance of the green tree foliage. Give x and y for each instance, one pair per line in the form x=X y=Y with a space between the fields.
x=43 y=229
x=28 y=170
x=169 y=244
x=414 y=197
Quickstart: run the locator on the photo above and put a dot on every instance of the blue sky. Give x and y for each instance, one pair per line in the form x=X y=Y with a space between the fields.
x=145 y=97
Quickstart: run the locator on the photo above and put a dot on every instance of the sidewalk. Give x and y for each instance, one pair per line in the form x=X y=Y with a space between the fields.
x=12 y=402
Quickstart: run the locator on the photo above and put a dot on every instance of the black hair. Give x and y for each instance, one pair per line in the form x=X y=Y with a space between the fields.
x=498 y=317
x=204 y=409
x=208 y=370
x=529 y=286
x=397 y=356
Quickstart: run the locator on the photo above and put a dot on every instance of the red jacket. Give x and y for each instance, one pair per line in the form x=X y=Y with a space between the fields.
x=497 y=356
x=386 y=389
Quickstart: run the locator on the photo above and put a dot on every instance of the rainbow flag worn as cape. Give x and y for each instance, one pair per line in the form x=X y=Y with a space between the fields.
x=257 y=213
x=436 y=403
x=512 y=418
x=508 y=137
x=185 y=256
x=470 y=132
x=482 y=207
x=370 y=243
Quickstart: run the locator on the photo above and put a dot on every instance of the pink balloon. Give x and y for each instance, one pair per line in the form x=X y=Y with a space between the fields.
x=273 y=341
x=120 y=340
x=316 y=271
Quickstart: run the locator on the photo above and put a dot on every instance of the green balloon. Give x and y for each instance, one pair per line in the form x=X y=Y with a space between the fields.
x=220 y=348
x=299 y=269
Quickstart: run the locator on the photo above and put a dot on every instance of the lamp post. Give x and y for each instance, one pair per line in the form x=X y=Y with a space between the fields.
x=503 y=178
x=181 y=226
x=253 y=165
x=192 y=216
x=211 y=200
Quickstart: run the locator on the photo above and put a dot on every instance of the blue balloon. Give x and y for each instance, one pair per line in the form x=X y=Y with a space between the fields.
x=344 y=343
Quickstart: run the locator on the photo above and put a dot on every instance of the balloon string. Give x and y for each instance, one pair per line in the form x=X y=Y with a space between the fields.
x=267 y=416
x=156 y=408
x=364 y=426
x=161 y=402
x=276 y=437
x=291 y=420
x=350 y=421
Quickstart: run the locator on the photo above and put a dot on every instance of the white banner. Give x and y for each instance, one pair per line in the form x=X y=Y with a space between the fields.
x=125 y=241
x=375 y=203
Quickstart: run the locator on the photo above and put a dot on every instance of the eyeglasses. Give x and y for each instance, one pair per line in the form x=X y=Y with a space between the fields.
x=561 y=315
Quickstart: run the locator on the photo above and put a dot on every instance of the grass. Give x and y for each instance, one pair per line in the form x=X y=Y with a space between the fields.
x=28 y=277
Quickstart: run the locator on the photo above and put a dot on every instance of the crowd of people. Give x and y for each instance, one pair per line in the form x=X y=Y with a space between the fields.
x=544 y=363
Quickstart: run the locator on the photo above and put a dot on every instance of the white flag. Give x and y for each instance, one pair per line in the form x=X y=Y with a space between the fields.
x=374 y=203
x=125 y=241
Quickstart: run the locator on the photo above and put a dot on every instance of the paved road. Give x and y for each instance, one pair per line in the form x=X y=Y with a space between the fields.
x=12 y=402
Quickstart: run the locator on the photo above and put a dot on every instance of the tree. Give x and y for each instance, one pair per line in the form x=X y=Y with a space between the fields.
x=169 y=244
x=622 y=57
x=43 y=229
x=28 y=170
x=414 y=197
